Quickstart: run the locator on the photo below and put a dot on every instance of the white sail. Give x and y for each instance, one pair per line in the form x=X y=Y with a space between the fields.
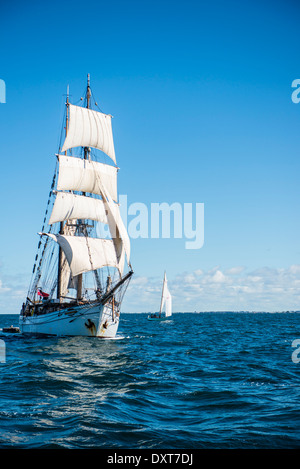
x=89 y=128
x=166 y=298
x=76 y=174
x=116 y=225
x=69 y=206
x=86 y=254
x=168 y=302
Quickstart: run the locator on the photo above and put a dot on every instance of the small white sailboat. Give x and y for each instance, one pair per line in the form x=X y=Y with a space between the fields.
x=166 y=301
x=79 y=274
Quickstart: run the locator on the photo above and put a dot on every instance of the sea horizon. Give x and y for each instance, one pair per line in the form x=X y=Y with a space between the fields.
x=195 y=312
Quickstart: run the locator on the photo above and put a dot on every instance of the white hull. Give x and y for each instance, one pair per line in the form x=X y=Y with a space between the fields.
x=84 y=320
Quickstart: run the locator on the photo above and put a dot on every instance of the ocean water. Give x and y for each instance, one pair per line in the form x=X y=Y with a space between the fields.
x=198 y=381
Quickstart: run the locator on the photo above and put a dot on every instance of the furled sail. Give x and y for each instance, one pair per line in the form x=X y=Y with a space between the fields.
x=66 y=276
x=69 y=206
x=89 y=128
x=76 y=174
x=86 y=254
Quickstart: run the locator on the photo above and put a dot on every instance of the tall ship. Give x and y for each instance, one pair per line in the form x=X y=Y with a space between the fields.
x=82 y=266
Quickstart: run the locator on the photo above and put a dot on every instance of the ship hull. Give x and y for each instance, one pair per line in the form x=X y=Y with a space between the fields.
x=158 y=318
x=81 y=320
x=162 y=318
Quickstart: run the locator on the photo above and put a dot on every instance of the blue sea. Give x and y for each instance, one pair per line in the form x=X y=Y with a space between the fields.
x=198 y=381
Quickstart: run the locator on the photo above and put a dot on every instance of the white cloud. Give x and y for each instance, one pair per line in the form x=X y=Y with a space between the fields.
x=219 y=277
x=13 y=291
x=217 y=289
x=198 y=272
x=139 y=281
x=234 y=289
x=294 y=269
x=234 y=270
x=2 y=288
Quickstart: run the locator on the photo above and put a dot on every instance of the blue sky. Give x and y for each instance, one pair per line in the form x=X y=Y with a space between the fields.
x=201 y=98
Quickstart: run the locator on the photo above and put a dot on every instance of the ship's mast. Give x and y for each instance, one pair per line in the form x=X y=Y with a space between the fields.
x=88 y=98
x=86 y=156
x=61 y=227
